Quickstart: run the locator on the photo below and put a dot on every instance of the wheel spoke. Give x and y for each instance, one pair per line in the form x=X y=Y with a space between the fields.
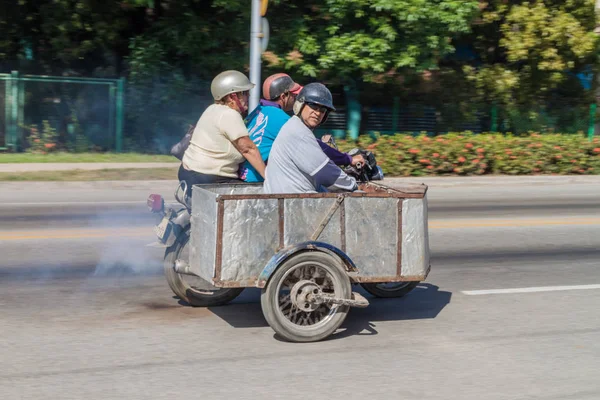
x=301 y=317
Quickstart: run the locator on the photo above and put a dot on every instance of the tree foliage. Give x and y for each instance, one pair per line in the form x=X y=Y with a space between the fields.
x=459 y=56
x=529 y=50
x=369 y=40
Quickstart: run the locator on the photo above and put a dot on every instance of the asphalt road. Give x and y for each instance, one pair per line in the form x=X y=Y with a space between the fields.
x=86 y=314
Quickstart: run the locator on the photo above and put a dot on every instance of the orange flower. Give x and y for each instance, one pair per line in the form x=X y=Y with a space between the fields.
x=558 y=156
x=476 y=161
x=573 y=161
x=557 y=147
x=430 y=167
x=414 y=151
x=508 y=152
x=461 y=159
x=424 y=161
x=481 y=150
x=49 y=145
x=36 y=141
x=469 y=145
x=596 y=150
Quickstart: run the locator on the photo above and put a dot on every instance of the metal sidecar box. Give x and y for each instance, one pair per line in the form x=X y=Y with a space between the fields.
x=307 y=250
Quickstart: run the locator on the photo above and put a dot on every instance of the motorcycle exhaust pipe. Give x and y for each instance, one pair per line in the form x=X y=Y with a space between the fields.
x=182 y=267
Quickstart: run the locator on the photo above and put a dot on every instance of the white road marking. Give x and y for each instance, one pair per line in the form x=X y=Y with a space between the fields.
x=529 y=290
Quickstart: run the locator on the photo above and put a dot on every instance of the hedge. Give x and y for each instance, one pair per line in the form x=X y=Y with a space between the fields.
x=480 y=154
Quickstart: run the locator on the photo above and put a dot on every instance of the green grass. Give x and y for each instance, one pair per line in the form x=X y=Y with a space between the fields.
x=130 y=174
x=83 y=158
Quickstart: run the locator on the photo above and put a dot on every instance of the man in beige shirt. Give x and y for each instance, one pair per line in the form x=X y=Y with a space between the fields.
x=220 y=142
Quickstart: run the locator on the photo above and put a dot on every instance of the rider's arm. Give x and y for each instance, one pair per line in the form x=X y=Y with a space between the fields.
x=330 y=175
x=251 y=153
x=314 y=162
x=338 y=157
x=232 y=126
x=335 y=155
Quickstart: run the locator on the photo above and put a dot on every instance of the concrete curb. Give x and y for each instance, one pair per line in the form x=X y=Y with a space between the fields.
x=458 y=182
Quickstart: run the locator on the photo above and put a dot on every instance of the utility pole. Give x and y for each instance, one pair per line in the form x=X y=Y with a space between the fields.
x=255 y=52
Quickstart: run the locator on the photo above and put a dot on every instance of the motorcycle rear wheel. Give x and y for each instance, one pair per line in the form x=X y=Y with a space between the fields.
x=193 y=290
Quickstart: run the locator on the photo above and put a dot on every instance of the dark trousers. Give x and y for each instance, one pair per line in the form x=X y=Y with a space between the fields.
x=196 y=178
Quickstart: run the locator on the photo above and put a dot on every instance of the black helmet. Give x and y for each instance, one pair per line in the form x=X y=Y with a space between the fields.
x=314 y=93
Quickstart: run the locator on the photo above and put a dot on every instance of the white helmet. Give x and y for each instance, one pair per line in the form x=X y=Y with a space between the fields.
x=228 y=82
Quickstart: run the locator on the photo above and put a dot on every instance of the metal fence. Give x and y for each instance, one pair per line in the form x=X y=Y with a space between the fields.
x=89 y=114
x=563 y=116
x=82 y=112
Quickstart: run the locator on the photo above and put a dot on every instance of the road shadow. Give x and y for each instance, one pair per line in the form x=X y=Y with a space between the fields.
x=426 y=301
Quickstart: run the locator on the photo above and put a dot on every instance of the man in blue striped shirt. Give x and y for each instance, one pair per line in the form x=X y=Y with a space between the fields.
x=266 y=120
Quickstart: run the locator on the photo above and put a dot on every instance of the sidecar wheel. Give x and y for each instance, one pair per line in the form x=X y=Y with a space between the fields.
x=391 y=289
x=311 y=272
x=194 y=290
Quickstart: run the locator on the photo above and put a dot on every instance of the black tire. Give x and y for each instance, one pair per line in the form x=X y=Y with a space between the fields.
x=401 y=289
x=201 y=295
x=273 y=311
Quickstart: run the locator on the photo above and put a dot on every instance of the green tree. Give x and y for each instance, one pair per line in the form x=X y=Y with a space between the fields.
x=529 y=55
x=84 y=37
x=367 y=40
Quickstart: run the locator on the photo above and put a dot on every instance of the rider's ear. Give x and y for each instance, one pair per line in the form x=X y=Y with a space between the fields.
x=298 y=107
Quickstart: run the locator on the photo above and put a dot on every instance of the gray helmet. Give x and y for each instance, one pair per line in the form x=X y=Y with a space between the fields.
x=227 y=82
x=314 y=93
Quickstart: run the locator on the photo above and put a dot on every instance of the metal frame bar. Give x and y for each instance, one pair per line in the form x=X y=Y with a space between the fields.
x=327 y=218
x=219 y=249
x=399 y=239
x=343 y=226
x=281 y=215
x=378 y=191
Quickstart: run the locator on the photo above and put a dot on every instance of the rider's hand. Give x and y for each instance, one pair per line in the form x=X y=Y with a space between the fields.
x=358 y=159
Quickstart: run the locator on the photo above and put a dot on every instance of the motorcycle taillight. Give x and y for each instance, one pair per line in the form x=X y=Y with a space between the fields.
x=155 y=203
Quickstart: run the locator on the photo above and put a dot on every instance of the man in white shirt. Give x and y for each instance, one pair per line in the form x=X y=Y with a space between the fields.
x=297 y=164
x=220 y=142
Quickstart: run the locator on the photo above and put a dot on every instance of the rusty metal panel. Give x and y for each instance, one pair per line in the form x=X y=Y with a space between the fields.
x=372 y=235
x=250 y=237
x=304 y=215
x=379 y=232
x=415 y=237
x=203 y=234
